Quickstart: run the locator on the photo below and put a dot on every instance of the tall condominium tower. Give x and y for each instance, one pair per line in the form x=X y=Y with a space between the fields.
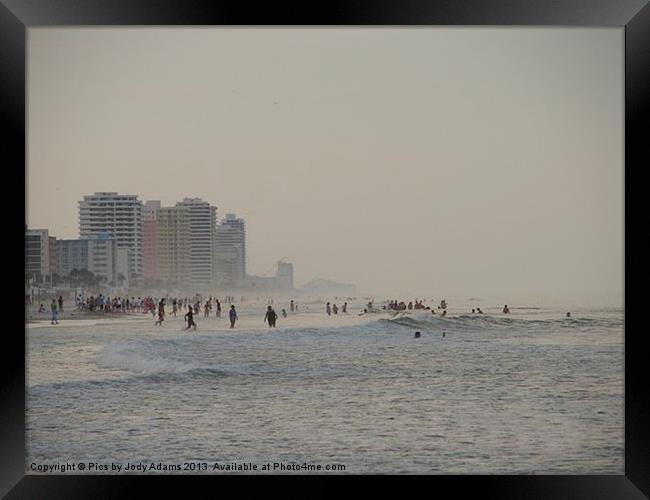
x=118 y=215
x=230 y=252
x=185 y=242
x=202 y=219
x=173 y=245
x=150 y=264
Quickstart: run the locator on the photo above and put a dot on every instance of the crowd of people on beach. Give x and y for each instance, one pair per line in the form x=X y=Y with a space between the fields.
x=192 y=307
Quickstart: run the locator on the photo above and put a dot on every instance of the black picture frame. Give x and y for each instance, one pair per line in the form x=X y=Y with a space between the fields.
x=632 y=15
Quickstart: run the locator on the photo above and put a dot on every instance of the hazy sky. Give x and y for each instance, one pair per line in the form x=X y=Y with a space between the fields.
x=402 y=160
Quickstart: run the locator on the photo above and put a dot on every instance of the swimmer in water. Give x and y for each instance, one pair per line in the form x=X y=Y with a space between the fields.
x=568 y=315
x=190 y=318
x=506 y=310
x=232 y=314
x=417 y=335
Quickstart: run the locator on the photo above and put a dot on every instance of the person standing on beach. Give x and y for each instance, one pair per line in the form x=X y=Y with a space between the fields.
x=335 y=309
x=233 y=316
x=206 y=309
x=61 y=303
x=161 y=312
x=270 y=317
x=344 y=309
x=190 y=317
x=218 y=309
x=284 y=313
x=55 y=313
x=291 y=306
x=328 y=309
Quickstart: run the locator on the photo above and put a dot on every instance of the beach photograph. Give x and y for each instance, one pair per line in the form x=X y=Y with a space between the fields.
x=332 y=251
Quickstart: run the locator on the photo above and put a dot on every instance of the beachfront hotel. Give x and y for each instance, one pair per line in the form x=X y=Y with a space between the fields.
x=202 y=219
x=230 y=252
x=150 y=261
x=119 y=215
x=185 y=236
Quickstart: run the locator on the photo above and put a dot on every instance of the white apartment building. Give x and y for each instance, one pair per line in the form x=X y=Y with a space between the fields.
x=201 y=218
x=119 y=215
x=230 y=252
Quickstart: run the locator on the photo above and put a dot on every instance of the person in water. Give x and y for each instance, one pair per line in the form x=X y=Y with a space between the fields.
x=479 y=310
x=568 y=315
x=270 y=317
x=506 y=310
x=190 y=317
x=444 y=312
x=417 y=335
x=233 y=316
x=161 y=312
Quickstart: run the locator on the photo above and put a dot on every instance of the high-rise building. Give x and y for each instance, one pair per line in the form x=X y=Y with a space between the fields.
x=150 y=264
x=173 y=245
x=37 y=254
x=119 y=215
x=230 y=252
x=202 y=220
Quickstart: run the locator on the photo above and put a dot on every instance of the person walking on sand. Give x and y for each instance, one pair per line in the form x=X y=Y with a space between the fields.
x=328 y=309
x=335 y=309
x=344 y=309
x=270 y=317
x=190 y=318
x=161 y=312
x=233 y=316
x=55 y=313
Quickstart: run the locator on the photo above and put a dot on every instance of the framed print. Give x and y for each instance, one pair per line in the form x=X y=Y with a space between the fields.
x=367 y=239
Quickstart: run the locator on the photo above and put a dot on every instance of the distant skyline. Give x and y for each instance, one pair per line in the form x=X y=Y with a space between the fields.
x=403 y=160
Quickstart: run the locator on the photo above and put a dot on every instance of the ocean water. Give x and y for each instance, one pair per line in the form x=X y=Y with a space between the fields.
x=529 y=393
